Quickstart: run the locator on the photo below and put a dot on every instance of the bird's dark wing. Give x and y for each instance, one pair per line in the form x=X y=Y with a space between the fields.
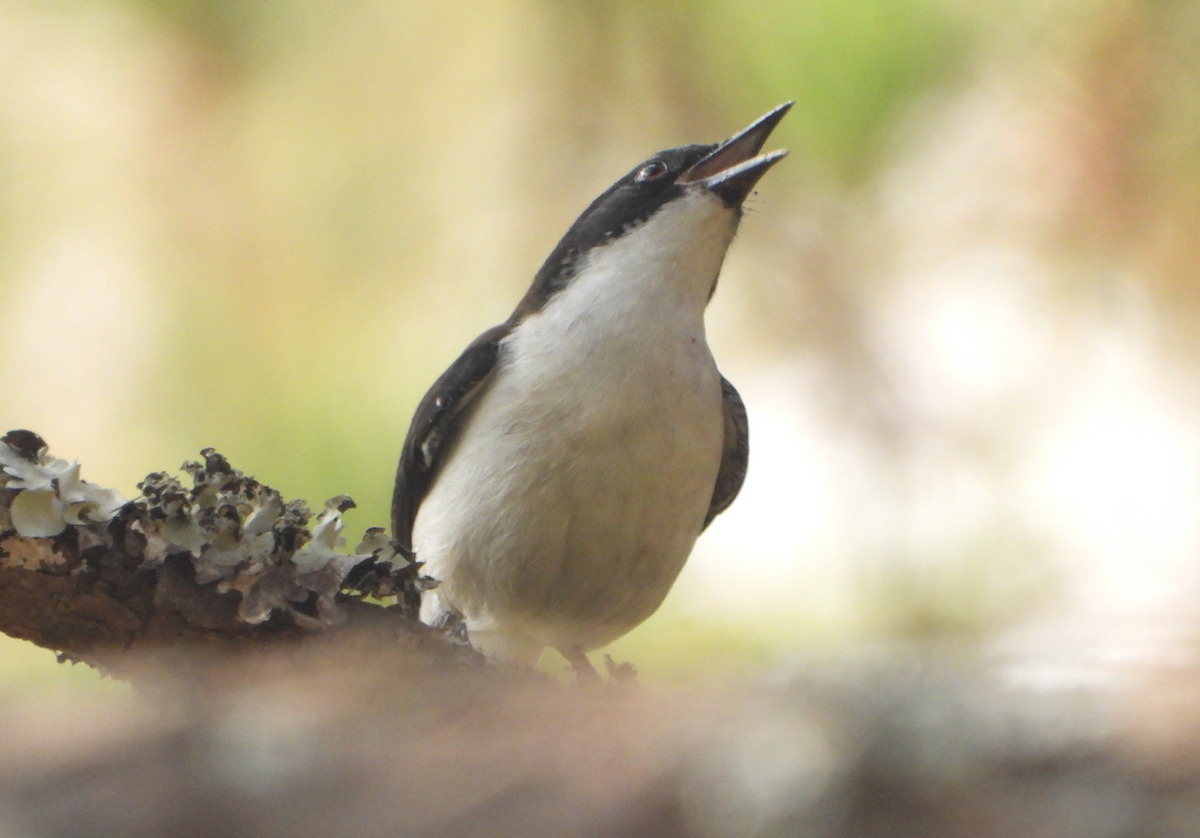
x=435 y=425
x=734 y=455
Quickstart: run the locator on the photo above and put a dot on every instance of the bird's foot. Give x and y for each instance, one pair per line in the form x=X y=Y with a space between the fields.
x=621 y=674
x=585 y=673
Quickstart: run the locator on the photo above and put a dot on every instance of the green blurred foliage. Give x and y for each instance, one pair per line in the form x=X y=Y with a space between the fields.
x=243 y=35
x=852 y=67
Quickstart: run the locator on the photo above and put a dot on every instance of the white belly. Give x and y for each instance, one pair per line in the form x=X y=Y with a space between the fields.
x=575 y=493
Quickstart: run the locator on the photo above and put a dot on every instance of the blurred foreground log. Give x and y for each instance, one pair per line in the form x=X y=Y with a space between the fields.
x=349 y=741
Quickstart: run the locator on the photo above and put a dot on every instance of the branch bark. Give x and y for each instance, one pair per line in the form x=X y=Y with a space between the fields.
x=223 y=566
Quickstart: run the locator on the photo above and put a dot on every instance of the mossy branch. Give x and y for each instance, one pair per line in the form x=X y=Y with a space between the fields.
x=224 y=565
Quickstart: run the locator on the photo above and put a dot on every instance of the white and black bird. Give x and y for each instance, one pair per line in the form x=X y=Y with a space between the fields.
x=556 y=476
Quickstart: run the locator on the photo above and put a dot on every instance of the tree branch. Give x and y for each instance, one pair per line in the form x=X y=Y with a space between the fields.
x=224 y=565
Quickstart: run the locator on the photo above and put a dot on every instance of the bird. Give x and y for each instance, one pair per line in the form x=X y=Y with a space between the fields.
x=556 y=476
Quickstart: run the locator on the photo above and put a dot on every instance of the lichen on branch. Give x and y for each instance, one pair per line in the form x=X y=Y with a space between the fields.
x=225 y=562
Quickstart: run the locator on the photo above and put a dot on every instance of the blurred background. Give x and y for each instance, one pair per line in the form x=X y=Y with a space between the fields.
x=963 y=313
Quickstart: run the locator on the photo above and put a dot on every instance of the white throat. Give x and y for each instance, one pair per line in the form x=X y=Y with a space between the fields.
x=663 y=270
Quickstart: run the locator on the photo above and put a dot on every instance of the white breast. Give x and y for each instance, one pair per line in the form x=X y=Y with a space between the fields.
x=582 y=476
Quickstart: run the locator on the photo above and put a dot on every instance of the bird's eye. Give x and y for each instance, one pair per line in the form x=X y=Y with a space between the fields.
x=651 y=171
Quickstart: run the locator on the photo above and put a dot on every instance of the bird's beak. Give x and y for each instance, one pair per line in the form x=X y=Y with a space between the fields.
x=735 y=166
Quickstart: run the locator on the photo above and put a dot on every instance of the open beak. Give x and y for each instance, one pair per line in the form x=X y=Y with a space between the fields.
x=732 y=170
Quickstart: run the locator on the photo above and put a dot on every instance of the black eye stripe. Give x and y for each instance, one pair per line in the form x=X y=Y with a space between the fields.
x=624 y=206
